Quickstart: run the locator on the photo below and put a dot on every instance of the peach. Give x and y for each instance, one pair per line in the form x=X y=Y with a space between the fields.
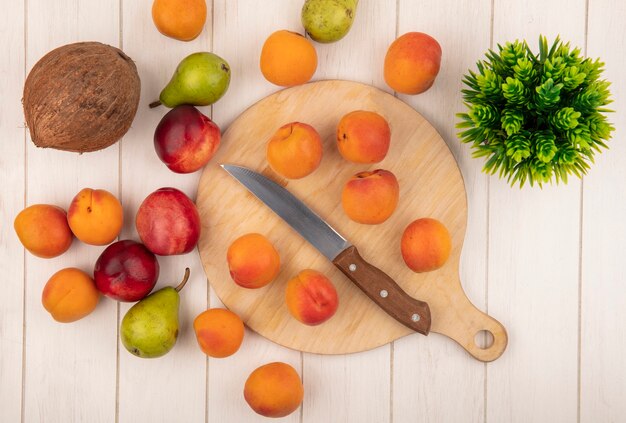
x=295 y=150
x=412 y=63
x=311 y=297
x=363 y=137
x=185 y=139
x=168 y=222
x=274 y=390
x=253 y=261
x=288 y=58
x=95 y=216
x=370 y=197
x=219 y=332
x=43 y=230
x=425 y=245
x=69 y=295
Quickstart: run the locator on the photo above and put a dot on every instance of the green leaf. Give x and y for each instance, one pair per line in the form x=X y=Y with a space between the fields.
x=545 y=146
x=524 y=71
x=564 y=119
x=599 y=128
x=548 y=95
x=484 y=115
x=489 y=84
x=580 y=137
x=553 y=69
x=573 y=78
x=512 y=121
x=518 y=147
x=515 y=92
x=511 y=53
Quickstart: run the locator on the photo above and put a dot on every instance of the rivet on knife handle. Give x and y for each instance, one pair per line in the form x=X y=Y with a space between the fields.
x=384 y=291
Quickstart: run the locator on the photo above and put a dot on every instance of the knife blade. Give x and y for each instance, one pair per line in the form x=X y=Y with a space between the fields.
x=375 y=283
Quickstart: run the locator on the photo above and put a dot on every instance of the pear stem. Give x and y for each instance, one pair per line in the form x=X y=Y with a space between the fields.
x=155 y=104
x=181 y=285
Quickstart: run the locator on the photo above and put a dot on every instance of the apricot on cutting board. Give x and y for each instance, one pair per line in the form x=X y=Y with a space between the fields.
x=219 y=332
x=363 y=137
x=274 y=390
x=43 y=230
x=311 y=297
x=288 y=59
x=425 y=245
x=295 y=150
x=253 y=261
x=370 y=197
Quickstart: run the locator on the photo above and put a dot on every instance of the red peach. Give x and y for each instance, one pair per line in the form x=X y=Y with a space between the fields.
x=185 y=139
x=168 y=222
x=363 y=137
x=370 y=197
x=311 y=297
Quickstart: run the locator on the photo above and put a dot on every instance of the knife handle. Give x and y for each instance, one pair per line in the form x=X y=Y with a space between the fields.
x=384 y=291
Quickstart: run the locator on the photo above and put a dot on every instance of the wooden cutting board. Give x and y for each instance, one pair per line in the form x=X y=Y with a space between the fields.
x=431 y=185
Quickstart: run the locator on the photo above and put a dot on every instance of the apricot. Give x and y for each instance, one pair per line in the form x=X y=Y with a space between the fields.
x=287 y=59
x=370 y=197
x=363 y=137
x=311 y=297
x=412 y=63
x=425 y=245
x=253 y=261
x=179 y=19
x=219 y=332
x=95 y=216
x=295 y=150
x=274 y=390
x=69 y=295
x=43 y=230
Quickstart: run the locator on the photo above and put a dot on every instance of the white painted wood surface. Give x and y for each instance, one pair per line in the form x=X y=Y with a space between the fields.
x=547 y=263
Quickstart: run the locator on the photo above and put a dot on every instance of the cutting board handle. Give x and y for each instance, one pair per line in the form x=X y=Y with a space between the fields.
x=466 y=322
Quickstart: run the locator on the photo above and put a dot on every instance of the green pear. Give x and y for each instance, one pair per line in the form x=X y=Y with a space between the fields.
x=150 y=328
x=327 y=21
x=200 y=79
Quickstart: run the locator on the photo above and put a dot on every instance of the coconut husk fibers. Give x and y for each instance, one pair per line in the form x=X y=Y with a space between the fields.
x=81 y=97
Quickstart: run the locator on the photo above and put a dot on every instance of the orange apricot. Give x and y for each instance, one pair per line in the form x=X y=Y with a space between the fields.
x=253 y=261
x=425 y=245
x=295 y=150
x=311 y=297
x=274 y=390
x=219 y=332
x=370 y=197
x=363 y=137
x=179 y=19
x=69 y=295
x=412 y=63
x=287 y=59
x=95 y=216
x=43 y=230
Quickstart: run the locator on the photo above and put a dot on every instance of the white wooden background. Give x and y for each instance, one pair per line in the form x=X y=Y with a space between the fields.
x=549 y=264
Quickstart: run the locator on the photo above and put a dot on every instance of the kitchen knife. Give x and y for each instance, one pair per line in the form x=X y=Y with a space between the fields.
x=375 y=283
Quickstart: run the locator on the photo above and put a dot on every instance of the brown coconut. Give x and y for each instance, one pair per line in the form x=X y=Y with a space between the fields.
x=81 y=97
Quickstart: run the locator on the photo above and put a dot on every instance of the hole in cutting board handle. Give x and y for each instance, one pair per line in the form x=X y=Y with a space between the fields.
x=484 y=339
